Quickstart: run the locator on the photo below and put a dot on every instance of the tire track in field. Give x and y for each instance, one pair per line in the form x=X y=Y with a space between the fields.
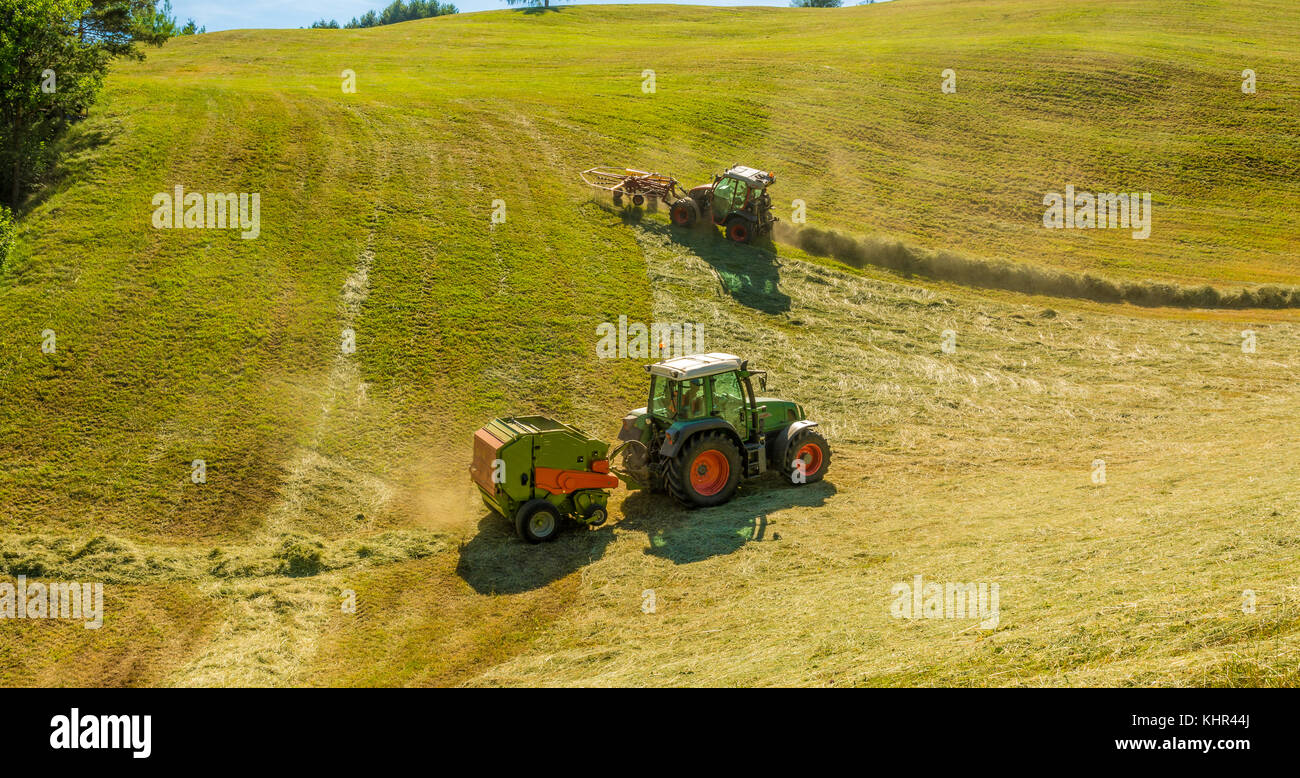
x=270 y=634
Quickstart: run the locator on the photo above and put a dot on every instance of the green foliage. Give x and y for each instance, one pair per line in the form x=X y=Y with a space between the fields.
x=49 y=73
x=398 y=11
x=7 y=232
x=816 y=3
x=158 y=22
x=321 y=24
x=53 y=57
x=118 y=26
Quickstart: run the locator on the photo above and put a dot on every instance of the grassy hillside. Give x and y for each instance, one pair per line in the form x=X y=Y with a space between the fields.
x=329 y=471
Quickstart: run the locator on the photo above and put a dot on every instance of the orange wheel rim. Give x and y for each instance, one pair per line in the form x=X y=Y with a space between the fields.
x=680 y=216
x=710 y=472
x=738 y=232
x=811 y=454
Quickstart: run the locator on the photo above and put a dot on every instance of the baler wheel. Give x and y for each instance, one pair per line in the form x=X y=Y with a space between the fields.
x=595 y=515
x=537 y=521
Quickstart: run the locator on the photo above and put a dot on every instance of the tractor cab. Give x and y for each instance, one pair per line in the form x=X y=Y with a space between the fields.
x=740 y=202
x=737 y=201
x=706 y=386
x=739 y=189
x=704 y=407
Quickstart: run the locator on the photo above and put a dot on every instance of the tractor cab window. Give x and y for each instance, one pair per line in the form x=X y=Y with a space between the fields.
x=677 y=400
x=729 y=400
x=728 y=195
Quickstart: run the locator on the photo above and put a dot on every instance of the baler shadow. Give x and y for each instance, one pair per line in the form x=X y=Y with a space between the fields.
x=496 y=561
x=686 y=536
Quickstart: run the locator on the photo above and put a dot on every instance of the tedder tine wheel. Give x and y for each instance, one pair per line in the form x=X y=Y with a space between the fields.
x=537 y=521
x=809 y=447
x=706 y=471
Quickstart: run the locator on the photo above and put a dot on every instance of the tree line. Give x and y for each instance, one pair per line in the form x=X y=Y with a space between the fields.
x=397 y=12
x=54 y=55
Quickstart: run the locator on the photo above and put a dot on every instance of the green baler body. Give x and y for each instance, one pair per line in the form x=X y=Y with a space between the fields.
x=508 y=451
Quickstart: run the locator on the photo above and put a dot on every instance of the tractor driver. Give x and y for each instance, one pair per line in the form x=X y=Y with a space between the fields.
x=693 y=398
x=685 y=399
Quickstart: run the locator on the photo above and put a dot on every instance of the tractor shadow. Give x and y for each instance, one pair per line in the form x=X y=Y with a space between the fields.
x=496 y=561
x=685 y=536
x=750 y=274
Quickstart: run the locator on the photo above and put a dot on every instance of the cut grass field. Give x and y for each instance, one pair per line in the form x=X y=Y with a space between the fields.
x=330 y=472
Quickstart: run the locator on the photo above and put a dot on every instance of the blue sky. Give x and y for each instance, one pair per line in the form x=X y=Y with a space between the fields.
x=235 y=14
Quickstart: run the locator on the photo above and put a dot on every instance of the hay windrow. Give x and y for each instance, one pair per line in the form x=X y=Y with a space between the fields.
x=949 y=266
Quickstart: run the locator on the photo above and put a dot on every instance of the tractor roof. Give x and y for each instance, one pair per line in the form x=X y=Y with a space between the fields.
x=751 y=176
x=696 y=366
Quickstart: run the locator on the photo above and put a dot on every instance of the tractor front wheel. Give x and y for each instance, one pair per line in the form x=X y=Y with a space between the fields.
x=807 y=457
x=684 y=212
x=739 y=230
x=705 y=472
x=537 y=521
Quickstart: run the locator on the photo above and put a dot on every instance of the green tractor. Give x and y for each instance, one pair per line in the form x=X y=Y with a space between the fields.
x=737 y=201
x=704 y=429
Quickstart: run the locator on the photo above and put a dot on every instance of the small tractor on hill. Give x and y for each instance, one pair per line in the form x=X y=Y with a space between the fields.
x=736 y=200
x=703 y=429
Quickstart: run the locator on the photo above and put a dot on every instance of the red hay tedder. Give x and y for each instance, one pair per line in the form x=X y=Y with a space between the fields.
x=736 y=200
x=638 y=184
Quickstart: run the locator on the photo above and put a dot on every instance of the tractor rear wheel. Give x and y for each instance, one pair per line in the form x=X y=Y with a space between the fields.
x=705 y=472
x=537 y=521
x=739 y=229
x=809 y=447
x=684 y=212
